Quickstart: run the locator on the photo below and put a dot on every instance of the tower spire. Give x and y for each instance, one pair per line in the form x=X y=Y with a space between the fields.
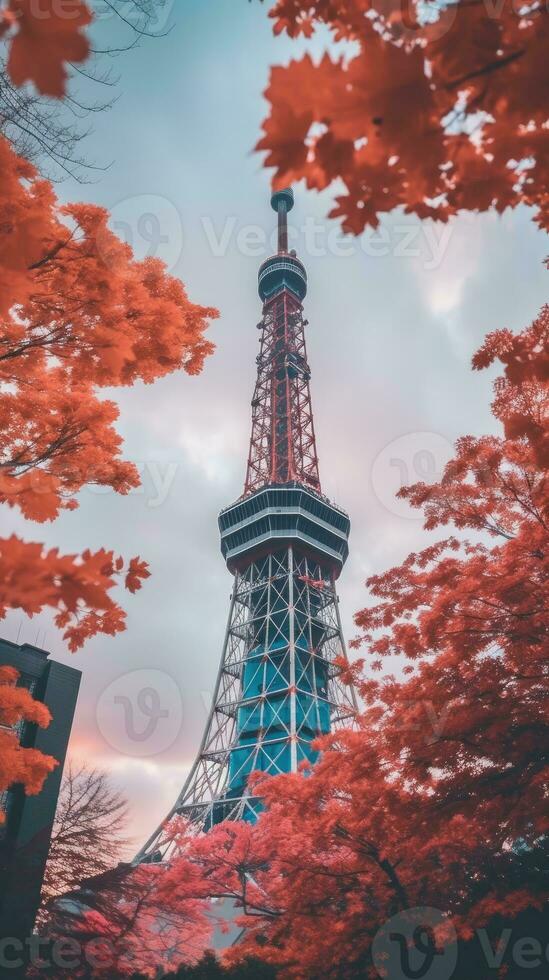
x=282 y=202
x=279 y=684
x=282 y=443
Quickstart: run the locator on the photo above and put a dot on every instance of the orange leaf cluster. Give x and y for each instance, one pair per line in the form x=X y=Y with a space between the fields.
x=520 y=401
x=77 y=587
x=77 y=313
x=43 y=39
x=135 y=921
x=434 y=115
x=26 y=766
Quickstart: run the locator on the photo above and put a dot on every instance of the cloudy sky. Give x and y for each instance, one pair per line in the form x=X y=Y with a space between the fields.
x=394 y=318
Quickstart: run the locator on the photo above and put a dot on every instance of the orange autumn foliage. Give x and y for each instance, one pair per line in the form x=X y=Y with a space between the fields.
x=135 y=920
x=520 y=401
x=76 y=587
x=439 y=798
x=43 y=39
x=440 y=110
x=26 y=766
x=78 y=313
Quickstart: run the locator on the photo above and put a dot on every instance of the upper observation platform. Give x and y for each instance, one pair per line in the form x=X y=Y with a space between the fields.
x=279 y=515
x=283 y=270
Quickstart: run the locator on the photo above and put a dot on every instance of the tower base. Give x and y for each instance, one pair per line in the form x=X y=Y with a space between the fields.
x=279 y=688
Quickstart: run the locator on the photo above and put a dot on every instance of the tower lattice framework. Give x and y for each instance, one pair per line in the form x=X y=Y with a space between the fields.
x=282 y=444
x=279 y=684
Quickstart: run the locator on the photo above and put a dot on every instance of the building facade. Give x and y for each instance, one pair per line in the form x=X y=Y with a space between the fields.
x=26 y=832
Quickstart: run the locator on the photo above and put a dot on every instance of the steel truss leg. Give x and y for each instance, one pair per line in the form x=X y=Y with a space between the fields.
x=279 y=686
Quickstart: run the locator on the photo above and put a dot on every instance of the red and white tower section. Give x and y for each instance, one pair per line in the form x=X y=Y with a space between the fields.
x=279 y=684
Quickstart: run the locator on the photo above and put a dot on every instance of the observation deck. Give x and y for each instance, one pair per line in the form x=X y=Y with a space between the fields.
x=282 y=514
x=281 y=271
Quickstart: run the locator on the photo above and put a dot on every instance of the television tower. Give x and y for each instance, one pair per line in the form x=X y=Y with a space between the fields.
x=279 y=684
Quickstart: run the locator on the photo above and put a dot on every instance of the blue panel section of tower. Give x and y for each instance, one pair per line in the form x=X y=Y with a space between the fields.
x=264 y=718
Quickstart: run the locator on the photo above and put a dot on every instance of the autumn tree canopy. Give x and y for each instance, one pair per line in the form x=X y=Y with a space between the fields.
x=434 y=108
x=126 y=918
x=77 y=313
x=50 y=132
